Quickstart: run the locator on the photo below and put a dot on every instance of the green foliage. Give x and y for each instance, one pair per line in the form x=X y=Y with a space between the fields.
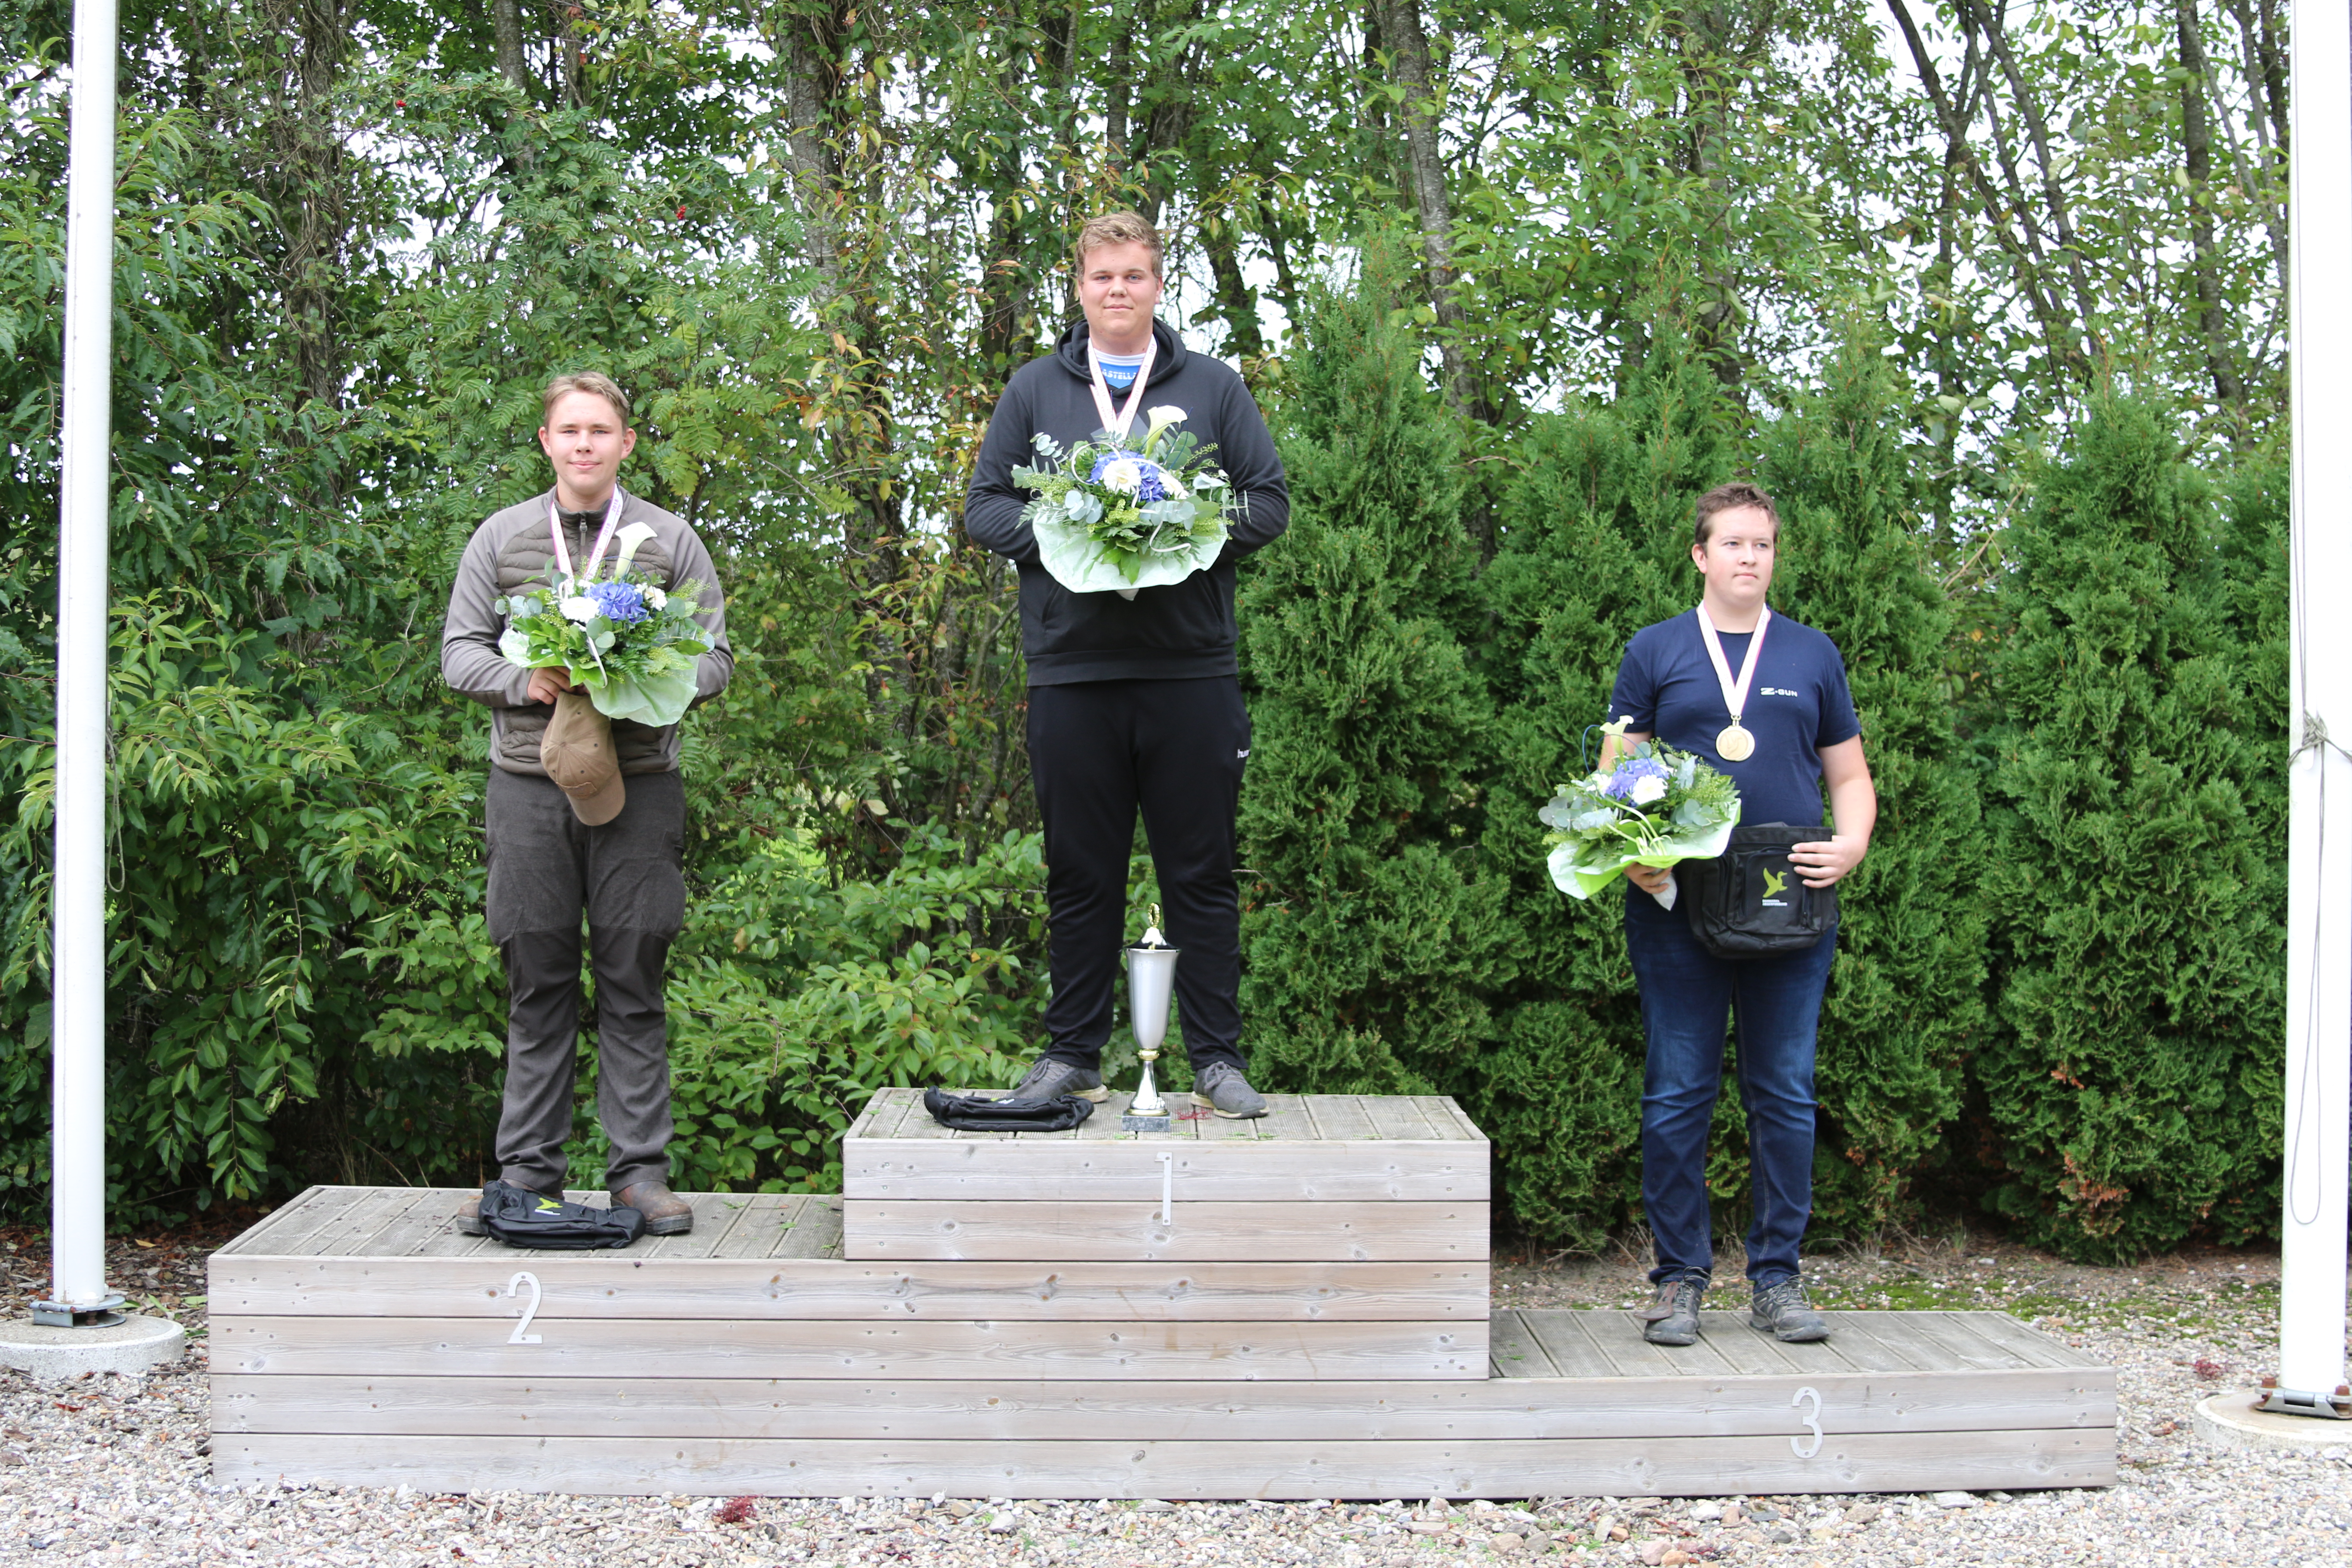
x=825 y=993
x=1906 y=1005
x=2137 y=778
x=1370 y=932
x=347 y=256
x=1594 y=538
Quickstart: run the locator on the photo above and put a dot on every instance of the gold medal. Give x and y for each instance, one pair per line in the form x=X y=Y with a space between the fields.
x=1734 y=743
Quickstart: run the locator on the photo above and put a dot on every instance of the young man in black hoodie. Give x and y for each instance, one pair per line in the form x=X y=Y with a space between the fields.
x=1133 y=703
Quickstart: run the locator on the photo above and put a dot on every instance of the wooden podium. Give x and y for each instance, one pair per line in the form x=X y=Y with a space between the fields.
x=1291 y=1308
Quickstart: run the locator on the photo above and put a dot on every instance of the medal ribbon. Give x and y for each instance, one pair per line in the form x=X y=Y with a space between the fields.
x=603 y=536
x=1119 y=424
x=1735 y=695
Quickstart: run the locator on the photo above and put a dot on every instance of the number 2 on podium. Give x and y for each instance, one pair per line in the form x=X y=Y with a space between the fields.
x=524 y=1278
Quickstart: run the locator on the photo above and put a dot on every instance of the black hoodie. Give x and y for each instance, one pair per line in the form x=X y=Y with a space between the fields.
x=1180 y=632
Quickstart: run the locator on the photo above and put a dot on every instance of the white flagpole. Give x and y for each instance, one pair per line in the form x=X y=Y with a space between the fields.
x=78 y=889
x=2319 y=721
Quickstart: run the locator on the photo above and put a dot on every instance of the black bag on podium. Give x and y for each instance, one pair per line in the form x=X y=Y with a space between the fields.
x=975 y=1113
x=520 y=1217
x=1750 y=903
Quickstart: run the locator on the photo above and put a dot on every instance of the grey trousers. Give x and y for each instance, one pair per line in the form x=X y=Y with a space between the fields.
x=547 y=868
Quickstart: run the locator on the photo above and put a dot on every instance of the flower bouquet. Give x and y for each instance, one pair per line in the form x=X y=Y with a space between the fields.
x=1112 y=517
x=632 y=642
x=1656 y=807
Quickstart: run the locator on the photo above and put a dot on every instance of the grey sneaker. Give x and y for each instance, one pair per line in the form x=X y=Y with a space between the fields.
x=1673 y=1316
x=1221 y=1087
x=1781 y=1311
x=1050 y=1079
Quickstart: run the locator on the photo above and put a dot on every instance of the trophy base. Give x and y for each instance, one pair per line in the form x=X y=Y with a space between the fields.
x=1130 y=1122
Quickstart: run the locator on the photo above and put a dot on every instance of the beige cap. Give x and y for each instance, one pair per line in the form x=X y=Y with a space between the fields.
x=577 y=753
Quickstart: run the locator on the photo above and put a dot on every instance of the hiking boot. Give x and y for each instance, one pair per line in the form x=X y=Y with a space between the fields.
x=1781 y=1311
x=1221 y=1087
x=665 y=1213
x=468 y=1216
x=1049 y=1079
x=1674 y=1315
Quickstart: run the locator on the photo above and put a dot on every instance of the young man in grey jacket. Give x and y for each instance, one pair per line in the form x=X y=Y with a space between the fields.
x=604 y=838
x=1133 y=703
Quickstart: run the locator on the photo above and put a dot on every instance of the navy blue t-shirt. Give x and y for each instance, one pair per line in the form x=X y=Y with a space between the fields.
x=1798 y=703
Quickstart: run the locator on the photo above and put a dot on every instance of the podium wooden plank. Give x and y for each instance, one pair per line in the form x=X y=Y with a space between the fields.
x=1285 y=1118
x=810 y=1231
x=691 y=1291
x=2006 y=1333
x=1393 y=1116
x=1449 y=1118
x=1513 y=1352
x=392 y=1347
x=1218 y=1169
x=1705 y=1467
x=1111 y=1232
x=1340 y=1118
x=1211 y=1128
x=996 y=1409
x=425 y=1214
x=1863 y=1349
x=1567 y=1339
x=285 y=1231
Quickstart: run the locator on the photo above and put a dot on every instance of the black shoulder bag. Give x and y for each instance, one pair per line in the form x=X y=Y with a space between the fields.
x=1750 y=903
x=978 y=1113
x=520 y=1217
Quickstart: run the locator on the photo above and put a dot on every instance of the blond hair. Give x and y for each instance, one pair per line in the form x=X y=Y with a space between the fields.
x=593 y=381
x=1117 y=228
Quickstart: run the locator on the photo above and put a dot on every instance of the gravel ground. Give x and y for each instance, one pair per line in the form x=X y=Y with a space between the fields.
x=113 y=1470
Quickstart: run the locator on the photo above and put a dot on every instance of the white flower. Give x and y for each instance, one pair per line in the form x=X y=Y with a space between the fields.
x=1124 y=476
x=628 y=538
x=1649 y=787
x=655 y=599
x=1208 y=479
x=1162 y=418
x=580 y=608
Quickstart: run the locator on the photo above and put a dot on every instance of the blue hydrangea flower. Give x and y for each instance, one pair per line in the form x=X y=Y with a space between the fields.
x=624 y=603
x=1629 y=774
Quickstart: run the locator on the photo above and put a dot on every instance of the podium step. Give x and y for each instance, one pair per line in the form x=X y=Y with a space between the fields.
x=1295 y=1307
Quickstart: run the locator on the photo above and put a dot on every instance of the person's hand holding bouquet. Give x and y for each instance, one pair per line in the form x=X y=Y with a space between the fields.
x=1110 y=517
x=1655 y=807
x=630 y=643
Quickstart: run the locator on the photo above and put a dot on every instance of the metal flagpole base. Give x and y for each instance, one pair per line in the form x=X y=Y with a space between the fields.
x=2238 y=1420
x=102 y=1314
x=2336 y=1407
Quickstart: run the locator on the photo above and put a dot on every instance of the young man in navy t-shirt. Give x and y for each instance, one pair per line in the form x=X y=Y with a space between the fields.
x=1779 y=721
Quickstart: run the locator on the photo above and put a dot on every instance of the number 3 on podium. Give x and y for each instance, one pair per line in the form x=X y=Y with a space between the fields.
x=1812 y=1423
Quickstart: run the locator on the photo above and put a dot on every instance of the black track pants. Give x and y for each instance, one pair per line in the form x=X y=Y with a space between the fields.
x=1099 y=750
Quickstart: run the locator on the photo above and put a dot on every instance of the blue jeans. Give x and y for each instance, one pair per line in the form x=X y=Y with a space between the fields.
x=1774 y=1005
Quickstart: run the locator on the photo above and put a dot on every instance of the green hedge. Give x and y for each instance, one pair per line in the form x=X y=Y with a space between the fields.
x=2058 y=992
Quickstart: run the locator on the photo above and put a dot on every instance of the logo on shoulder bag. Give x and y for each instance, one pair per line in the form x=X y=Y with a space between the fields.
x=1775 y=884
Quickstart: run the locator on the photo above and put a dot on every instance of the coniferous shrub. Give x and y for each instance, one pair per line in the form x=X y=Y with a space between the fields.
x=1371 y=936
x=1594 y=545
x=2136 y=887
x=1905 y=1002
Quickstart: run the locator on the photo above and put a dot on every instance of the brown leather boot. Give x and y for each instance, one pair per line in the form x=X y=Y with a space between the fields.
x=665 y=1213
